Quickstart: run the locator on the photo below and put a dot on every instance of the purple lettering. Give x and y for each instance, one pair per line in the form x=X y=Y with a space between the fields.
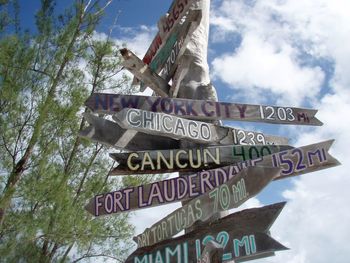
x=127 y=197
x=205 y=110
x=166 y=105
x=192 y=186
x=182 y=188
x=205 y=182
x=242 y=109
x=98 y=204
x=155 y=193
x=117 y=196
x=227 y=108
x=179 y=106
x=101 y=100
x=303 y=116
x=153 y=103
x=131 y=102
x=169 y=189
x=316 y=153
x=190 y=110
x=140 y=199
x=220 y=176
x=113 y=102
x=108 y=199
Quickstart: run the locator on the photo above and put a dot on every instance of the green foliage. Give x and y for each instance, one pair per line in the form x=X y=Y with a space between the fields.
x=47 y=173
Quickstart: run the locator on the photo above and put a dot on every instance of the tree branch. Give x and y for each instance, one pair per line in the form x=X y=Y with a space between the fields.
x=96 y=255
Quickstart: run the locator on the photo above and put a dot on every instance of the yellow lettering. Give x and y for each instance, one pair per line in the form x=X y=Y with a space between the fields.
x=208 y=153
x=160 y=157
x=130 y=165
x=147 y=160
x=199 y=159
x=177 y=159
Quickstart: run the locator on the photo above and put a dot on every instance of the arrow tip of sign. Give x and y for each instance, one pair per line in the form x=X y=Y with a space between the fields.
x=124 y=51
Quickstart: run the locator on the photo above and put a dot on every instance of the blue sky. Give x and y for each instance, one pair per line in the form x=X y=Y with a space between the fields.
x=287 y=53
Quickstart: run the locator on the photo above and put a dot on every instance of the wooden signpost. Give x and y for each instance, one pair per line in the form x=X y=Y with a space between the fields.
x=196 y=131
x=189 y=160
x=229 y=195
x=243 y=236
x=306 y=159
x=202 y=109
x=111 y=134
x=235 y=167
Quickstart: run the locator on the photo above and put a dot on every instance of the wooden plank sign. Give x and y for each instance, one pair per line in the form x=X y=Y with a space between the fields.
x=202 y=109
x=166 y=26
x=164 y=192
x=304 y=160
x=242 y=234
x=229 y=195
x=187 y=160
x=166 y=59
x=297 y=161
x=111 y=134
x=196 y=131
x=144 y=73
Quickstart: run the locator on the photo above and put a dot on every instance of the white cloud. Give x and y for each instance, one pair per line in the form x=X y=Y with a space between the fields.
x=281 y=38
x=257 y=66
x=278 y=61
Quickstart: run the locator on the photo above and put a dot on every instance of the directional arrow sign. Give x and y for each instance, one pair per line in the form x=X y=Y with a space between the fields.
x=166 y=26
x=164 y=192
x=186 y=160
x=111 y=134
x=242 y=234
x=202 y=109
x=144 y=73
x=305 y=159
x=229 y=195
x=196 y=131
x=166 y=59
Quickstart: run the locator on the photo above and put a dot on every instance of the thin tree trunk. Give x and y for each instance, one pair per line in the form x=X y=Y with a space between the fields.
x=20 y=166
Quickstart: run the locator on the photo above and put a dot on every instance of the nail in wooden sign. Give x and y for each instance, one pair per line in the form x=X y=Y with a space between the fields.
x=306 y=159
x=196 y=131
x=144 y=73
x=229 y=195
x=202 y=109
x=187 y=160
x=243 y=236
x=111 y=134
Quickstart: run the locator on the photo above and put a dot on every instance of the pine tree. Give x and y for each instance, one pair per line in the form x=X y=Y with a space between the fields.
x=48 y=173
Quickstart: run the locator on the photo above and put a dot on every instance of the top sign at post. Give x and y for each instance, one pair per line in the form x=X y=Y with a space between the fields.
x=166 y=24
